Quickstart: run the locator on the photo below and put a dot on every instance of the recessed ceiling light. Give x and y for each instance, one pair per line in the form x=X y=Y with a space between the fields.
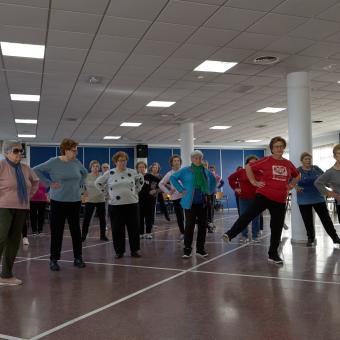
x=220 y=127
x=22 y=50
x=25 y=97
x=271 y=109
x=26 y=136
x=131 y=124
x=160 y=103
x=253 y=140
x=338 y=81
x=112 y=137
x=215 y=66
x=26 y=121
x=179 y=139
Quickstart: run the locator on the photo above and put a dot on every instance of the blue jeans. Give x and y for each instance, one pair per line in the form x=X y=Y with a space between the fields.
x=244 y=205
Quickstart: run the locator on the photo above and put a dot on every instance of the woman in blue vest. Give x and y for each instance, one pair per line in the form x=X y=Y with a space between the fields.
x=195 y=182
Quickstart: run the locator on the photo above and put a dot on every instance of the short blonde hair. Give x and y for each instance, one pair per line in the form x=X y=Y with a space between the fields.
x=93 y=162
x=119 y=154
x=335 y=149
x=67 y=144
x=305 y=154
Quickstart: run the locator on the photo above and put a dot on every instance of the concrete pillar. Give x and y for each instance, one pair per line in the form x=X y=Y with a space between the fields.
x=187 y=142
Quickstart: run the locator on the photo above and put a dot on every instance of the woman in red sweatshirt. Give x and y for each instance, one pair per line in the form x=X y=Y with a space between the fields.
x=246 y=192
x=278 y=176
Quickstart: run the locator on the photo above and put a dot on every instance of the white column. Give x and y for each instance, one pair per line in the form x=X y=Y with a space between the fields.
x=300 y=137
x=187 y=142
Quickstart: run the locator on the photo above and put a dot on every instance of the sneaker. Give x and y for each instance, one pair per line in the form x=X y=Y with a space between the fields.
x=141 y=236
x=285 y=227
x=226 y=238
x=211 y=230
x=25 y=241
x=243 y=239
x=275 y=258
x=10 y=281
x=79 y=263
x=104 y=238
x=256 y=240
x=201 y=253
x=119 y=256
x=54 y=266
x=187 y=253
x=135 y=254
x=148 y=236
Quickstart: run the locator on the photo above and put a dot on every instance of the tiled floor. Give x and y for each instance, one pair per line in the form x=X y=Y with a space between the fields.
x=233 y=294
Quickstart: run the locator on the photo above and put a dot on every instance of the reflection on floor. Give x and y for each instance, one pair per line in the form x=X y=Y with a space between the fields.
x=233 y=294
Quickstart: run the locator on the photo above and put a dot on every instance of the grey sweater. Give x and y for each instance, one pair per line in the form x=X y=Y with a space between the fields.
x=330 y=179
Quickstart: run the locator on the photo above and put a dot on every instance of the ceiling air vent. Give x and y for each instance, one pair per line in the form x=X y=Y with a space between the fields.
x=260 y=126
x=71 y=119
x=266 y=60
x=317 y=121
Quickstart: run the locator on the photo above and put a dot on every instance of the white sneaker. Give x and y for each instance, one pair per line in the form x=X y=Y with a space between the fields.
x=25 y=241
x=141 y=236
x=12 y=281
x=148 y=236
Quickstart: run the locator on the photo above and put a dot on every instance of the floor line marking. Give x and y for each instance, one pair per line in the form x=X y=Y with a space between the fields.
x=9 y=337
x=138 y=292
x=265 y=277
x=120 y=265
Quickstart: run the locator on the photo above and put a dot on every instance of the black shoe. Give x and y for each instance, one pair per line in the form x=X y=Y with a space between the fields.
x=167 y=217
x=79 y=263
x=275 y=258
x=135 y=254
x=104 y=238
x=54 y=266
x=336 y=240
x=201 y=253
x=187 y=253
x=83 y=238
x=119 y=256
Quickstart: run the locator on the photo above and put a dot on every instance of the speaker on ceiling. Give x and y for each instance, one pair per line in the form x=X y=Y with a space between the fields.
x=142 y=151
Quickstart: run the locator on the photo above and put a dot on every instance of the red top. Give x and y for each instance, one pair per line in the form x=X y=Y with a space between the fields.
x=239 y=179
x=276 y=174
x=40 y=195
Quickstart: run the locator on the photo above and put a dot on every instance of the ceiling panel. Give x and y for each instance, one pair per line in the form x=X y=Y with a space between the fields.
x=290 y=45
x=253 y=41
x=259 y=5
x=233 y=18
x=186 y=13
x=87 y=6
x=24 y=35
x=213 y=37
x=69 y=39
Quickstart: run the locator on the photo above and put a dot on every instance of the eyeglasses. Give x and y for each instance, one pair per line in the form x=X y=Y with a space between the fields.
x=16 y=151
x=122 y=160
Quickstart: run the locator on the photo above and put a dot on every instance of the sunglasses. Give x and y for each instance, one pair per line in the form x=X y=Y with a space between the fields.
x=16 y=151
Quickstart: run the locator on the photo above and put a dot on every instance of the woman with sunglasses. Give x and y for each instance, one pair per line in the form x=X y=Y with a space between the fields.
x=18 y=183
x=64 y=175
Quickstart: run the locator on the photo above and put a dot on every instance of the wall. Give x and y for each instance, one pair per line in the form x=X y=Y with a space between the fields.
x=225 y=160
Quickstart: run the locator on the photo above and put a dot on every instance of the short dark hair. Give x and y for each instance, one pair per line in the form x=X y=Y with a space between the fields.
x=173 y=157
x=250 y=157
x=275 y=140
x=141 y=162
x=67 y=144
x=305 y=154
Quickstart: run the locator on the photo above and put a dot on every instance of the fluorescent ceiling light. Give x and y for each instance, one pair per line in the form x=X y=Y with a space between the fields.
x=25 y=97
x=271 y=109
x=338 y=81
x=26 y=121
x=130 y=124
x=22 y=50
x=220 y=127
x=215 y=66
x=157 y=103
x=112 y=137
x=179 y=139
x=253 y=140
x=26 y=136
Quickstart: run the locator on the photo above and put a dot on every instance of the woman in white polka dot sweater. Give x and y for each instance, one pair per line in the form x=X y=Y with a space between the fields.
x=122 y=185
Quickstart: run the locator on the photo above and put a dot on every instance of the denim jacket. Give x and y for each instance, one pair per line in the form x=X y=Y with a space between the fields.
x=183 y=180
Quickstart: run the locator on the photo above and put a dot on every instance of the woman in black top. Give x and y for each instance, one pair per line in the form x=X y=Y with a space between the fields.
x=147 y=200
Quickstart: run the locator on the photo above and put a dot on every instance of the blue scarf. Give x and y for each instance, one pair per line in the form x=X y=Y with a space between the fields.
x=21 y=183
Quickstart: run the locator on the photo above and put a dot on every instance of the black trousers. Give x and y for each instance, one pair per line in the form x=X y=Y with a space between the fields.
x=162 y=206
x=146 y=215
x=179 y=214
x=89 y=209
x=277 y=217
x=338 y=210
x=196 y=213
x=237 y=199
x=37 y=215
x=60 y=211
x=322 y=211
x=211 y=200
x=121 y=216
